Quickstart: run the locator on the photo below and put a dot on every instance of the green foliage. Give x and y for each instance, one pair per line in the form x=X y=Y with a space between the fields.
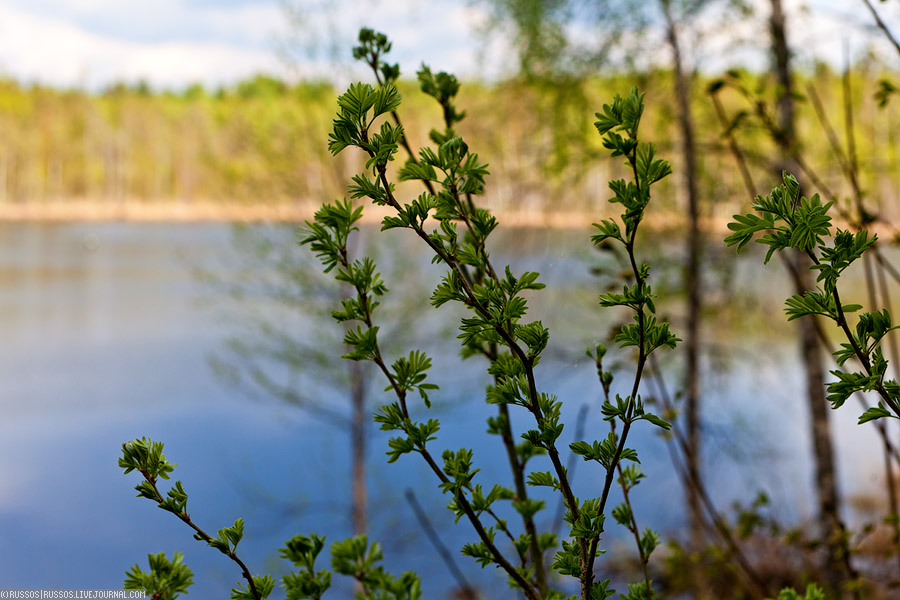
x=228 y=539
x=493 y=327
x=353 y=123
x=372 y=46
x=443 y=87
x=813 y=592
x=165 y=581
x=886 y=89
x=790 y=221
x=785 y=219
x=354 y=558
x=145 y=456
x=409 y=374
x=455 y=231
x=624 y=115
x=262 y=587
x=302 y=551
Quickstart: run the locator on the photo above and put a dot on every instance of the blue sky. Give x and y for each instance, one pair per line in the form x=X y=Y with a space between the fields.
x=172 y=43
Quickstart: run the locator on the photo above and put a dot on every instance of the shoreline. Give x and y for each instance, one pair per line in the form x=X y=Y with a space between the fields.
x=83 y=211
x=225 y=212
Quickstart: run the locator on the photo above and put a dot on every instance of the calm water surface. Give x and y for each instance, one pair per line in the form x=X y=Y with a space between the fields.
x=107 y=331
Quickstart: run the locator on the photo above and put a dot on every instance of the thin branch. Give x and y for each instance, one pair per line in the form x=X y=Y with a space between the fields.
x=882 y=25
x=435 y=539
x=374 y=61
x=203 y=536
x=571 y=464
x=693 y=479
x=460 y=498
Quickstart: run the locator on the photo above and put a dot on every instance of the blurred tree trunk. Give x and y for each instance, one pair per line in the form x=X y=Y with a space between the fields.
x=831 y=528
x=358 y=422
x=692 y=280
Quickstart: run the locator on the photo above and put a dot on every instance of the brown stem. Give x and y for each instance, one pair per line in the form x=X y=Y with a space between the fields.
x=479 y=243
x=570 y=466
x=400 y=393
x=633 y=527
x=861 y=356
x=518 y=471
x=373 y=61
x=460 y=498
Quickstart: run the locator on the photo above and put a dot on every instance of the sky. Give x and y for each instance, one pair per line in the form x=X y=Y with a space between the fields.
x=174 y=43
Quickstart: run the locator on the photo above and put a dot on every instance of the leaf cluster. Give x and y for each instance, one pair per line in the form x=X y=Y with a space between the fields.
x=359 y=108
x=813 y=592
x=372 y=47
x=353 y=557
x=166 y=579
x=785 y=219
x=443 y=87
x=788 y=220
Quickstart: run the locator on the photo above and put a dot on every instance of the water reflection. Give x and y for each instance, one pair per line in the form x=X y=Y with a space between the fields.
x=107 y=331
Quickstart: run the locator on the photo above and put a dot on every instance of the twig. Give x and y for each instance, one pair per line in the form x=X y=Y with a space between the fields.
x=435 y=539
x=571 y=464
x=691 y=478
x=205 y=537
x=882 y=25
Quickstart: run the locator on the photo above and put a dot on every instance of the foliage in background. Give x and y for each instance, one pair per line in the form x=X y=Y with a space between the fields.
x=259 y=141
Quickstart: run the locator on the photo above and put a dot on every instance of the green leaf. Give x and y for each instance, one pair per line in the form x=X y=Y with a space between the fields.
x=480 y=552
x=265 y=584
x=657 y=421
x=745 y=227
x=811 y=302
x=387 y=98
x=811 y=223
x=166 y=579
x=873 y=413
x=543 y=478
x=146 y=457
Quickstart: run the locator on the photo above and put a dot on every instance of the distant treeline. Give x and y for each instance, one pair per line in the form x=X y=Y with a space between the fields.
x=263 y=140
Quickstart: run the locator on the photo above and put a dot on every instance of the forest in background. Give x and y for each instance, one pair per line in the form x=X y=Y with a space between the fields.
x=263 y=142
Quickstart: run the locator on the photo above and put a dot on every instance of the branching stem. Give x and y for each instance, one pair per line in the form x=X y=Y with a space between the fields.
x=245 y=572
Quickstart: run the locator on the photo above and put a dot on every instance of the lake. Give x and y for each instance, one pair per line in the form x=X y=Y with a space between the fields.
x=108 y=334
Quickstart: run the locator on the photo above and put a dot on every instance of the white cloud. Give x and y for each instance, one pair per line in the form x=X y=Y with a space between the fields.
x=164 y=20
x=172 y=43
x=56 y=51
